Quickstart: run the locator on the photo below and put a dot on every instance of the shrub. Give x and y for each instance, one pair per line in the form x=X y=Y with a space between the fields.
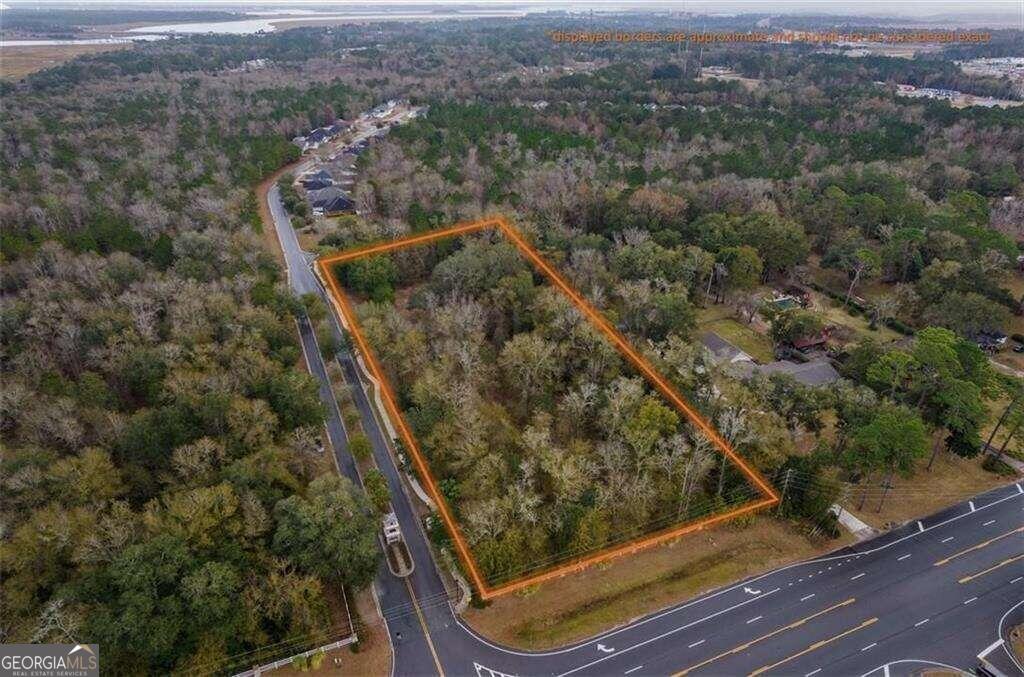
x=998 y=466
x=359 y=445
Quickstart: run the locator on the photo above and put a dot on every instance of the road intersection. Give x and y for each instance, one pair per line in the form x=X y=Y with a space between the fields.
x=934 y=592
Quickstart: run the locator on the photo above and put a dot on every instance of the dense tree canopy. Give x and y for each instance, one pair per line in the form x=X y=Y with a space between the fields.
x=157 y=481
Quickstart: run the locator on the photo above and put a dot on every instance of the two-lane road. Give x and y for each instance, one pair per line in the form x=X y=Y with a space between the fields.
x=932 y=592
x=395 y=595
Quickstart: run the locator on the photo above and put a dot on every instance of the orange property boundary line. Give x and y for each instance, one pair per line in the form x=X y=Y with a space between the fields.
x=768 y=493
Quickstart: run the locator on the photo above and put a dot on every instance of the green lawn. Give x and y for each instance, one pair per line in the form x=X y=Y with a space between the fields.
x=835 y=313
x=719 y=320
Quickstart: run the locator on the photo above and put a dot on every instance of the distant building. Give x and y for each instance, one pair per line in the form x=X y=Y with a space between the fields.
x=320 y=135
x=990 y=341
x=317 y=180
x=813 y=373
x=819 y=340
x=722 y=351
x=384 y=110
x=330 y=201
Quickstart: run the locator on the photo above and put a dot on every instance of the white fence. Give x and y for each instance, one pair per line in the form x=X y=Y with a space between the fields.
x=255 y=672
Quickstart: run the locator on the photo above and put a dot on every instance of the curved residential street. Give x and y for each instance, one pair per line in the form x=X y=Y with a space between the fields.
x=934 y=592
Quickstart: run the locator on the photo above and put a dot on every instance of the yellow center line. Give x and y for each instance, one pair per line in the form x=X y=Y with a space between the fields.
x=426 y=632
x=981 y=573
x=979 y=546
x=744 y=647
x=815 y=646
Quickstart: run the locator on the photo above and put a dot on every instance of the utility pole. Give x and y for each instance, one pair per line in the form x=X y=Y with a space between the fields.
x=1009 y=436
x=785 y=488
x=1002 y=419
x=886 y=486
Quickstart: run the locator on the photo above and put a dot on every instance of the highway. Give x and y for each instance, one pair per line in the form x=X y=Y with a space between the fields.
x=933 y=592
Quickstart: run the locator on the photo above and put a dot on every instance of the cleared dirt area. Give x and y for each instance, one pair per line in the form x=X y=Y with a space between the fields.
x=835 y=313
x=17 y=62
x=583 y=604
x=952 y=479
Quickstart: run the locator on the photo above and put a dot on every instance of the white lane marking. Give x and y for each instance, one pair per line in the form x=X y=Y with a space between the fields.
x=605 y=649
x=667 y=632
x=717 y=593
x=947 y=539
x=632 y=669
x=751 y=591
x=992 y=647
x=807 y=597
x=484 y=671
x=988 y=523
x=695 y=644
x=870 y=646
x=999 y=633
x=856 y=577
x=900 y=559
x=1017 y=579
x=755 y=618
x=920 y=623
x=903 y=661
x=812 y=673
x=968 y=601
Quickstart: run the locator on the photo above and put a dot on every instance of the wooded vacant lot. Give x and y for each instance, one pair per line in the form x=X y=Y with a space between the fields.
x=546 y=443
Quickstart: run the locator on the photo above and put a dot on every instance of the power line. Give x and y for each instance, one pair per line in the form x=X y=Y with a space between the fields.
x=793 y=480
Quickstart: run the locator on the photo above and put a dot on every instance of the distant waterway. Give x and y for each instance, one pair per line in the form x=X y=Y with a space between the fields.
x=267 y=24
x=83 y=41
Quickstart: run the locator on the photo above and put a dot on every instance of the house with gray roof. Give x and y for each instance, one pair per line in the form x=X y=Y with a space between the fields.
x=722 y=351
x=815 y=373
x=330 y=201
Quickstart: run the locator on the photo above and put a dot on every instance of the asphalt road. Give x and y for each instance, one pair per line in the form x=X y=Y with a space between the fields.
x=932 y=592
x=394 y=595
